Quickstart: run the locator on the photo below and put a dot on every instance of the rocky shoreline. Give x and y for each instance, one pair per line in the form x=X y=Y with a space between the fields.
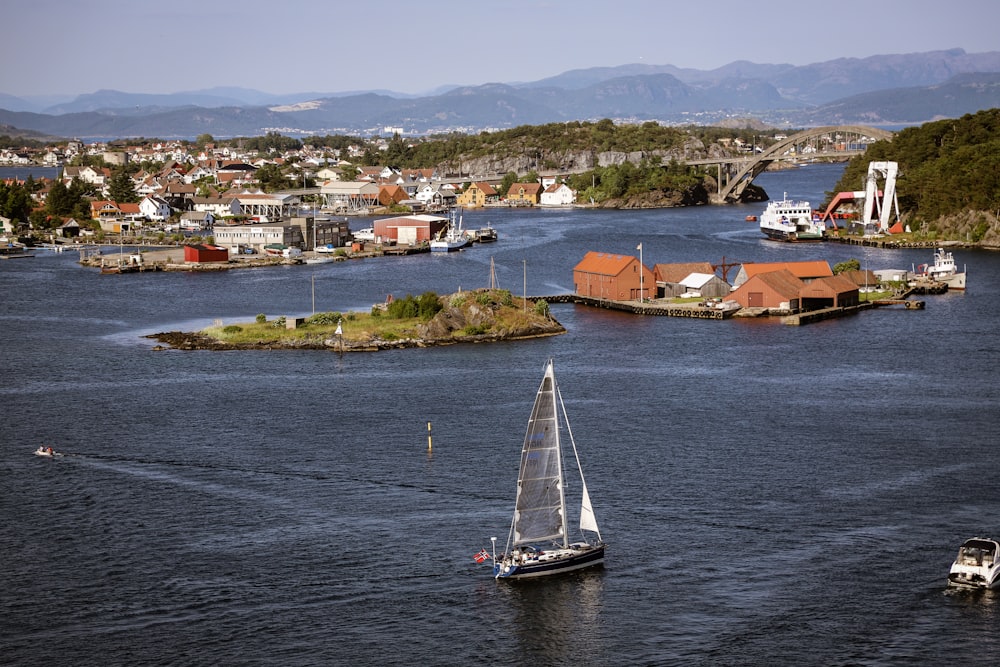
x=480 y=316
x=185 y=340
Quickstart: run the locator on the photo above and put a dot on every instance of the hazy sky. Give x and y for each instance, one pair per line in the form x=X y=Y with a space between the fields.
x=283 y=46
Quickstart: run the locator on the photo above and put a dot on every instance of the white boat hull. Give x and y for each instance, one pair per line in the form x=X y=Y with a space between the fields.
x=446 y=246
x=977 y=565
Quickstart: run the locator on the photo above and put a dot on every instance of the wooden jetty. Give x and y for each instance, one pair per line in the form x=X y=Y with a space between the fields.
x=656 y=308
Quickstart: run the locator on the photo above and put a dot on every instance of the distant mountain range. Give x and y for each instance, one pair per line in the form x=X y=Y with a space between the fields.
x=897 y=89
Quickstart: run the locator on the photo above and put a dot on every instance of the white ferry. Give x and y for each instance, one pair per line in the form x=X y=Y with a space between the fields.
x=791 y=221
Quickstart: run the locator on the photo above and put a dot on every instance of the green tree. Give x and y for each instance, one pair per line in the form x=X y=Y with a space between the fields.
x=849 y=265
x=15 y=201
x=509 y=179
x=271 y=178
x=122 y=189
x=59 y=200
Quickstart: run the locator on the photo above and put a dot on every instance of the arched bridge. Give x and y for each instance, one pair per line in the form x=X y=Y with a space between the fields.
x=818 y=142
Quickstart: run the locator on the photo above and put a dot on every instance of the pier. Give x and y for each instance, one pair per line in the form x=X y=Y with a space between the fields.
x=655 y=308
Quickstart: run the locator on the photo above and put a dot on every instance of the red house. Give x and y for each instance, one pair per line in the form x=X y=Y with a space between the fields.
x=201 y=253
x=603 y=275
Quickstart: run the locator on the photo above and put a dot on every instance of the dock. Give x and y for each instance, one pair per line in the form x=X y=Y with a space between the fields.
x=650 y=307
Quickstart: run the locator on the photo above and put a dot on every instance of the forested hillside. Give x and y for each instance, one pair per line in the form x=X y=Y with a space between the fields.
x=949 y=183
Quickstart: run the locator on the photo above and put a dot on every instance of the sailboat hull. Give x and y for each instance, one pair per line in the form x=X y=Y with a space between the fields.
x=547 y=563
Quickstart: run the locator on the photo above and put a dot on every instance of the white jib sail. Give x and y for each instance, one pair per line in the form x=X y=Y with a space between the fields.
x=588 y=521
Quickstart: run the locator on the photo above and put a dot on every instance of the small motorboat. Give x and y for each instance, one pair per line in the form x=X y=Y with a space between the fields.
x=47 y=452
x=976 y=565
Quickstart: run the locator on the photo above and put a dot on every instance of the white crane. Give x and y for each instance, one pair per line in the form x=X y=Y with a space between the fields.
x=888 y=171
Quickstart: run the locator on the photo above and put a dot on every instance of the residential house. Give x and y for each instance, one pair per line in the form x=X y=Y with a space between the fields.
x=477 y=195
x=98 y=177
x=197 y=220
x=179 y=196
x=329 y=174
x=521 y=194
x=557 y=194
x=614 y=277
x=390 y=195
x=198 y=173
x=220 y=207
x=154 y=208
x=436 y=195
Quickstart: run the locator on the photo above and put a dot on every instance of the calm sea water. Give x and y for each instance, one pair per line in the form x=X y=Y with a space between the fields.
x=770 y=494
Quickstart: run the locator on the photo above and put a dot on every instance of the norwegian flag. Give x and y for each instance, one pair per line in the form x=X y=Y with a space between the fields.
x=482 y=556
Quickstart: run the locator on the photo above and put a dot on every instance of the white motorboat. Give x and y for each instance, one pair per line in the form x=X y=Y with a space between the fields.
x=943 y=270
x=788 y=220
x=366 y=235
x=977 y=564
x=538 y=543
x=47 y=452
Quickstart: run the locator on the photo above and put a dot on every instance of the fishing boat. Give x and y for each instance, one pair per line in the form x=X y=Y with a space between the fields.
x=451 y=238
x=788 y=220
x=538 y=543
x=943 y=270
x=977 y=564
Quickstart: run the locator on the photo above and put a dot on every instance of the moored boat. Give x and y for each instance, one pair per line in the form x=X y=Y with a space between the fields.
x=788 y=220
x=365 y=235
x=943 y=270
x=538 y=543
x=977 y=564
x=451 y=238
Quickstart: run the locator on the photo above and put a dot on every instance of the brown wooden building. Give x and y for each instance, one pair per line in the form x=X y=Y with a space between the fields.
x=602 y=275
x=829 y=292
x=776 y=289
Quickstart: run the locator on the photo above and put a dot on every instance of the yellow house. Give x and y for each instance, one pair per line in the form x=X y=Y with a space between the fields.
x=477 y=195
x=524 y=193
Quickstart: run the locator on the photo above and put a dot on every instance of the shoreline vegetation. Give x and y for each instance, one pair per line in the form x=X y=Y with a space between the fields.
x=478 y=316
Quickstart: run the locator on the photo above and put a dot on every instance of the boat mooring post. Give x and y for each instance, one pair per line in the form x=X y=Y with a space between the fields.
x=430 y=443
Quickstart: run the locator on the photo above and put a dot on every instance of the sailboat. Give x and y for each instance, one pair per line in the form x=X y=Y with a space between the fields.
x=538 y=543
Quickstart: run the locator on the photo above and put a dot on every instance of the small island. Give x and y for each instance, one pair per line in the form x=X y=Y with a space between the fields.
x=478 y=316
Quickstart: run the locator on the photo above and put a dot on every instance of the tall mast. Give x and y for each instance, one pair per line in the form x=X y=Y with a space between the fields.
x=556 y=402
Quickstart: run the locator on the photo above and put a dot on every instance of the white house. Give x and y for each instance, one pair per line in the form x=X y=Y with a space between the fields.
x=154 y=208
x=557 y=194
x=220 y=207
